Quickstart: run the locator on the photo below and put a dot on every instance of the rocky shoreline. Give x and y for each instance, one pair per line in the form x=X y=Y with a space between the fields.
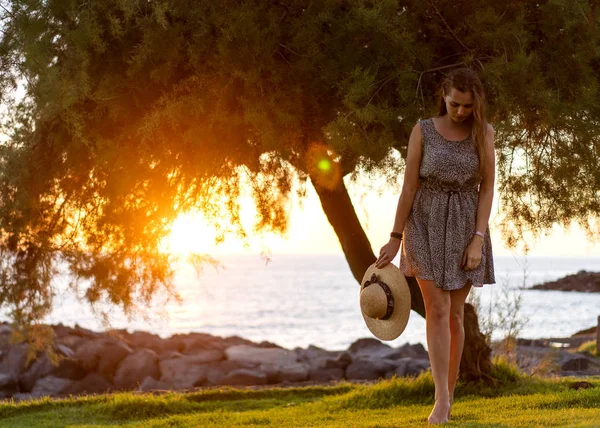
x=583 y=281
x=93 y=362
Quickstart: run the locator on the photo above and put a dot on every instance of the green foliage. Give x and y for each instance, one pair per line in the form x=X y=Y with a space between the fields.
x=135 y=111
x=590 y=348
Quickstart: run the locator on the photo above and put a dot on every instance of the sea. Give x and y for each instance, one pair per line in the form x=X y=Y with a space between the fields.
x=302 y=300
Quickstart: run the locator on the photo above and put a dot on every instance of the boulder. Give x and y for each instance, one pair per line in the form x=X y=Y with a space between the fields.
x=340 y=362
x=8 y=384
x=13 y=360
x=297 y=372
x=61 y=330
x=362 y=370
x=367 y=346
x=199 y=343
x=93 y=383
x=145 y=340
x=50 y=386
x=408 y=351
x=244 y=377
x=408 y=367
x=215 y=372
x=67 y=368
x=325 y=375
x=102 y=356
x=255 y=354
x=182 y=373
x=575 y=363
x=72 y=341
x=134 y=368
x=368 y=369
x=151 y=384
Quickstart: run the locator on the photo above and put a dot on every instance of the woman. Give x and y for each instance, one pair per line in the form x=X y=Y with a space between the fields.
x=442 y=214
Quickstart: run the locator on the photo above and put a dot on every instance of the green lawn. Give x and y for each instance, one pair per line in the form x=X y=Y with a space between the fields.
x=518 y=402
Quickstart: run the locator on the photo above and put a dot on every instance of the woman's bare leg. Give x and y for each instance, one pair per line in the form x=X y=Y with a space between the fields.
x=457 y=336
x=437 y=309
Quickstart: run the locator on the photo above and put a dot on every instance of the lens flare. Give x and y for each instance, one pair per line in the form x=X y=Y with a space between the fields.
x=324 y=171
x=324 y=165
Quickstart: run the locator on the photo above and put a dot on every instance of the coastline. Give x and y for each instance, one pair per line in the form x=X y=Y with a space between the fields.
x=119 y=360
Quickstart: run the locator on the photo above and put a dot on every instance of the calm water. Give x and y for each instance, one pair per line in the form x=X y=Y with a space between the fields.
x=301 y=300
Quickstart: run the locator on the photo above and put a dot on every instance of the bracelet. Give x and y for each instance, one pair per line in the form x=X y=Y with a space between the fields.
x=480 y=234
x=397 y=235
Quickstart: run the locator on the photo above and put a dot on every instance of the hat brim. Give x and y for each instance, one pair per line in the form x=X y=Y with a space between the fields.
x=391 y=328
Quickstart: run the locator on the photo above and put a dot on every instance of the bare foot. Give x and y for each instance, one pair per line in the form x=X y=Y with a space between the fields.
x=450 y=408
x=439 y=414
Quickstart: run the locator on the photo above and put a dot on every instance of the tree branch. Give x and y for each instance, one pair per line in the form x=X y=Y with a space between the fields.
x=448 y=26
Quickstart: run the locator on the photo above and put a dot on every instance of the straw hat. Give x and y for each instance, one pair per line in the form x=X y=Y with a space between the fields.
x=385 y=301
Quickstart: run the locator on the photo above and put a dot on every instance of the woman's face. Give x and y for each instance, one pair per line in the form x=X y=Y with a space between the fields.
x=459 y=104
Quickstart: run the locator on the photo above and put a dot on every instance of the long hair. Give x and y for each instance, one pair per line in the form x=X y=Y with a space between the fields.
x=465 y=80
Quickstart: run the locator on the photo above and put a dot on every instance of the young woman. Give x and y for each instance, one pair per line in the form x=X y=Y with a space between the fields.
x=442 y=218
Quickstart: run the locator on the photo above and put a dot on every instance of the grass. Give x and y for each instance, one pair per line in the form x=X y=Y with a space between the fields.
x=519 y=401
x=589 y=348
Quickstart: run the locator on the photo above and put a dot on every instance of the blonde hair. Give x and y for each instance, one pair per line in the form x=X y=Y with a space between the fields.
x=465 y=80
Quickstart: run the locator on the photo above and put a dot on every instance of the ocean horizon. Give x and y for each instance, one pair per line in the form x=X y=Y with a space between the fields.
x=302 y=300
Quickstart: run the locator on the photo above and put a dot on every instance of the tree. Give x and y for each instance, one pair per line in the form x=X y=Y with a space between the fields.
x=135 y=111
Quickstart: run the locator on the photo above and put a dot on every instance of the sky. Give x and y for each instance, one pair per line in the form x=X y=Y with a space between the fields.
x=310 y=233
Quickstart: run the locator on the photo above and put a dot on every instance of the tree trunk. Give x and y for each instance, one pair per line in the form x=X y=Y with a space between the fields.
x=340 y=212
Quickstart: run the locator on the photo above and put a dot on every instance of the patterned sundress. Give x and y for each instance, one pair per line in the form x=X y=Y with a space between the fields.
x=442 y=220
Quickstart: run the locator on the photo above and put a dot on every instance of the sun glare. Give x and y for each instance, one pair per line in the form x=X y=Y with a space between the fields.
x=190 y=233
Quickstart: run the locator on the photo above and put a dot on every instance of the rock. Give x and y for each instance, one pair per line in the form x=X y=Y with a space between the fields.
x=367 y=343
x=368 y=369
x=587 y=332
x=215 y=372
x=145 y=340
x=91 y=384
x=151 y=384
x=340 y=362
x=325 y=375
x=408 y=351
x=182 y=373
x=236 y=341
x=244 y=377
x=576 y=363
x=102 y=356
x=297 y=372
x=204 y=357
x=50 y=386
x=5 y=329
x=64 y=350
x=408 y=367
x=13 y=361
x=71 y=341
x=254 y=354
x=203 y=343
x=583 y=281
x=313 y=353
x=84 y=332
x=8 y=384
x=294 y=373
x=134 y=368
x=67 y=368
x=61 y=331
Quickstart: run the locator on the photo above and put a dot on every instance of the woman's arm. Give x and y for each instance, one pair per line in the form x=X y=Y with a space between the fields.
x=407 y=195
x=472 y=255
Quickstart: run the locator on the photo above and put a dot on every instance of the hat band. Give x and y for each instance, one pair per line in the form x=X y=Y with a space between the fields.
x=388 y=294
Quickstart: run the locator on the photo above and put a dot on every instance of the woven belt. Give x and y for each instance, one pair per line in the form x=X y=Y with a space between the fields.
x=439 y=187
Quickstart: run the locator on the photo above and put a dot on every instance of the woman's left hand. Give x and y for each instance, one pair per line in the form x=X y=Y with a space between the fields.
x=472 y=255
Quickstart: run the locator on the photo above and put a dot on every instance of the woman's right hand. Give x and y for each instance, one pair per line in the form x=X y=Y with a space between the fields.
x=387 y=253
